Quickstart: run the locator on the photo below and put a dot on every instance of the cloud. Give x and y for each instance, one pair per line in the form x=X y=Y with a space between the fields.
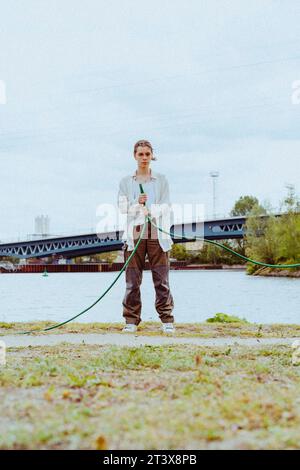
x=208 y=83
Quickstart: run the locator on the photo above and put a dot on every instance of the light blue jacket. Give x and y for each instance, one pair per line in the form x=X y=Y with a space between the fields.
x=161 y=210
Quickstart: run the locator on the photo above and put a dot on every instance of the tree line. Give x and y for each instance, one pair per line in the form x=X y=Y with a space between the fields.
x=271 y=239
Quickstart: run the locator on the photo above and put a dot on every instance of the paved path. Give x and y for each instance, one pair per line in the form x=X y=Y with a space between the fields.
x=127 y=339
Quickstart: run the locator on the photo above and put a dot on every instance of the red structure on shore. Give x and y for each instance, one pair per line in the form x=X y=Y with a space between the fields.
x=94 y=267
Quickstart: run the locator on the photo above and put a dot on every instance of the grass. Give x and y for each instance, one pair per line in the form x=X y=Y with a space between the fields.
x=203 y=330
x=224 y=318
x=149 y=397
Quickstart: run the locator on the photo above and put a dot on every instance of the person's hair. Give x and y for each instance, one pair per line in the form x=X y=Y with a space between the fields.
x=143 y=143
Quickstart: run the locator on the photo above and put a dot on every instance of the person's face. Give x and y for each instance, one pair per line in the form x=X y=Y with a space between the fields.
x=143 y=155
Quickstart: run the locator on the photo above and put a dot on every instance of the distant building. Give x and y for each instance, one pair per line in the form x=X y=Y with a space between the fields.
x=42 y=225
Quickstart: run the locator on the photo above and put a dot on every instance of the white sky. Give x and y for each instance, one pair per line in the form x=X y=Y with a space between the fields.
x=209 y=83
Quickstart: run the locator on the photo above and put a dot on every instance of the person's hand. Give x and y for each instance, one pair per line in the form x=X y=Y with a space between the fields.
x=146 y=211
x=142 y=198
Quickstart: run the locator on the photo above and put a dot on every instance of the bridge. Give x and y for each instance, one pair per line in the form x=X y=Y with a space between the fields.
x=92 y=243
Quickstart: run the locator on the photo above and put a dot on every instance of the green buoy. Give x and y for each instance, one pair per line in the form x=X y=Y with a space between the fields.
x=45 y=273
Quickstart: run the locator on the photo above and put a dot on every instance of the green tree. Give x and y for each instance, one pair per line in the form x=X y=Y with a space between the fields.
x=178 y=251
x=244 y=205
x=288 y=230
x=290 y=204
x=108 y=257
x=213 y=254
x=11 y=259
x=274 y=239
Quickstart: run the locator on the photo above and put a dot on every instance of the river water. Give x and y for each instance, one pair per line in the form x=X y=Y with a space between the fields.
x=197 y=295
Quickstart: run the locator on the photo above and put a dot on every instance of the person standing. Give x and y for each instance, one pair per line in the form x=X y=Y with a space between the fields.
x=155 y=202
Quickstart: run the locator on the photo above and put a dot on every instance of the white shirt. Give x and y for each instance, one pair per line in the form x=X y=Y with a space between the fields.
x=157 y=189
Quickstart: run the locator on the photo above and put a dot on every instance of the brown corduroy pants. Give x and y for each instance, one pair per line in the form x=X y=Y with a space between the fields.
x=159 y=265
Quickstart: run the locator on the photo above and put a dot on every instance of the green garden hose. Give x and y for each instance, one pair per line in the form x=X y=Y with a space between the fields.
x=149 y=218
x=281 y=266
x=57 y=325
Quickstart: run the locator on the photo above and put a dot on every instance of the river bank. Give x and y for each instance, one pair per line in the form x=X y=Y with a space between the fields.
x=101 y=267
x=276 y=272
x=115 y=267
x=148 y=328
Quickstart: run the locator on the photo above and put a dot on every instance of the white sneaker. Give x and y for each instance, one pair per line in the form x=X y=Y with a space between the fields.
x=168 y=328
x=129 y=328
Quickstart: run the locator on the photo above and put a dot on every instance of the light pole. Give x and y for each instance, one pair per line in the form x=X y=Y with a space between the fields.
x=214 y=175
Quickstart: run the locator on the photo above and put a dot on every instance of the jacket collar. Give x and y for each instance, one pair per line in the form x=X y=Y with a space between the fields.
x=153 y=175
